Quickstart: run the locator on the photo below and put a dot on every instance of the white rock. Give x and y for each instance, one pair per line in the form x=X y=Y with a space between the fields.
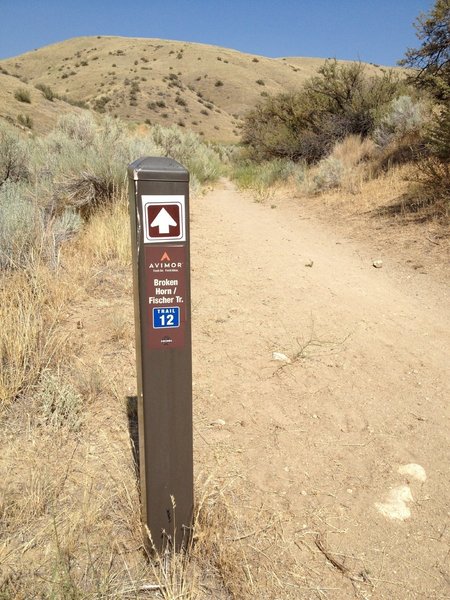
x=377 y=264
x=281 y=357
x=413 y=470
x=395 y=506
x=219 y=422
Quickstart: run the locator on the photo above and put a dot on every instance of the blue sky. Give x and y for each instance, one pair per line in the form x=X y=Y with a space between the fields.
x=377 y=31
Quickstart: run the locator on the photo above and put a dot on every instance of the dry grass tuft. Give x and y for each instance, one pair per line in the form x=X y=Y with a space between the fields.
x=225 y=557
x=106 y=238
x=353 y=150
x=30 y=307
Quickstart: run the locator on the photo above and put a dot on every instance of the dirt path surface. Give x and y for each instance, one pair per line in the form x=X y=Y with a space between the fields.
x=346 y=441
x=334 y=459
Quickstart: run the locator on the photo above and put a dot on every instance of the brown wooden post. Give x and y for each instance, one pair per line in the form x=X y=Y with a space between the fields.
x=159 y=212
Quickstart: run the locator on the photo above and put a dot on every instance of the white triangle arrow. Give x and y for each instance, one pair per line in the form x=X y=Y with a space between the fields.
x=163 y=221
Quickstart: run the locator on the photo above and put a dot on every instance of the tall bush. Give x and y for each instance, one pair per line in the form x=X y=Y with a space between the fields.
x=404 y=117
x=431 y=61
x=435 y=168
x=14 y=155
x=341 y=100
x=21 y=226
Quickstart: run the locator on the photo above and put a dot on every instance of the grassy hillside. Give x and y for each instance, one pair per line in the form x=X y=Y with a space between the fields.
x=203 y=88
x=24 y=105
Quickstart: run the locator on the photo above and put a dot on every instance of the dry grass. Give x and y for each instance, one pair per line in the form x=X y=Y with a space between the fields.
x=130 y=76
x=70 y=504
x=70 y=511
x=353 y=150
x=106 y=238
x=346 y=168
x=69 y=515
x=44 y=113
x=31 y=302
x=361 y=195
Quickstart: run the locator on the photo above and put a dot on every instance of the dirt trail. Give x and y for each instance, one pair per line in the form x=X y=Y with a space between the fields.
x=320 y=440
x=310 y=449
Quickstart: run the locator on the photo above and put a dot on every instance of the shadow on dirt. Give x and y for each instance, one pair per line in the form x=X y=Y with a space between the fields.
x=412 y=208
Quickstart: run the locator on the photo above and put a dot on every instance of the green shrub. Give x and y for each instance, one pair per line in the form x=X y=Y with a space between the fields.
x=438 y=135
x=21 y=226
x=435 y=168
x=25 y=120
x=430 y=62
x=81 y=128
x=329 y=175
x=187 y=148
x=341 y=100
x=72 y=171
x=22 y=95
x=46 y=90
x=59 y=404
x=14 y=156
x=28 y=230
x=404 y=117
x=100 y=103
x=72 y=101
x=263 y=177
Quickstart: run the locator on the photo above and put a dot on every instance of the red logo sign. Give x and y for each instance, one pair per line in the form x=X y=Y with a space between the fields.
x=164 y=221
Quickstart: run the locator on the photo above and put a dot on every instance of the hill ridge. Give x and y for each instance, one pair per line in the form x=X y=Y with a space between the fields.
x=200 y=87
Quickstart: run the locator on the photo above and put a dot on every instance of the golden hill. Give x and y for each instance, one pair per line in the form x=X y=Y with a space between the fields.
x=38 y=112
x=204 y=88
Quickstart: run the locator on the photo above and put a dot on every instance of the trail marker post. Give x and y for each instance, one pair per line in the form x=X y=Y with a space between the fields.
x=159 y=213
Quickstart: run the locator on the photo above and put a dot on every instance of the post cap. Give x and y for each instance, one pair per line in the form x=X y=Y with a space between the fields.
x=157 y=168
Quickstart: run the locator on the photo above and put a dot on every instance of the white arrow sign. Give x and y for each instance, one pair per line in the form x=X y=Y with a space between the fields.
x=163 y=221
x=164 y=217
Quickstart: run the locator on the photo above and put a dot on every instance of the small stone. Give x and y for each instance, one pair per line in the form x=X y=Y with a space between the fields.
x=304 y=493
x=349 y=491
x=309 y=264
x=280 y=357
x=377 y=264
x=219 y=422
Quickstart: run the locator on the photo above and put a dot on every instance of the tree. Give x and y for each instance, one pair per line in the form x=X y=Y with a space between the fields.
x=340 y=100
x=432 y=59
x=432 y=62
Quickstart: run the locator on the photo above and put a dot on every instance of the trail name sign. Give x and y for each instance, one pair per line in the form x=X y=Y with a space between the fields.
x=159 y=210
